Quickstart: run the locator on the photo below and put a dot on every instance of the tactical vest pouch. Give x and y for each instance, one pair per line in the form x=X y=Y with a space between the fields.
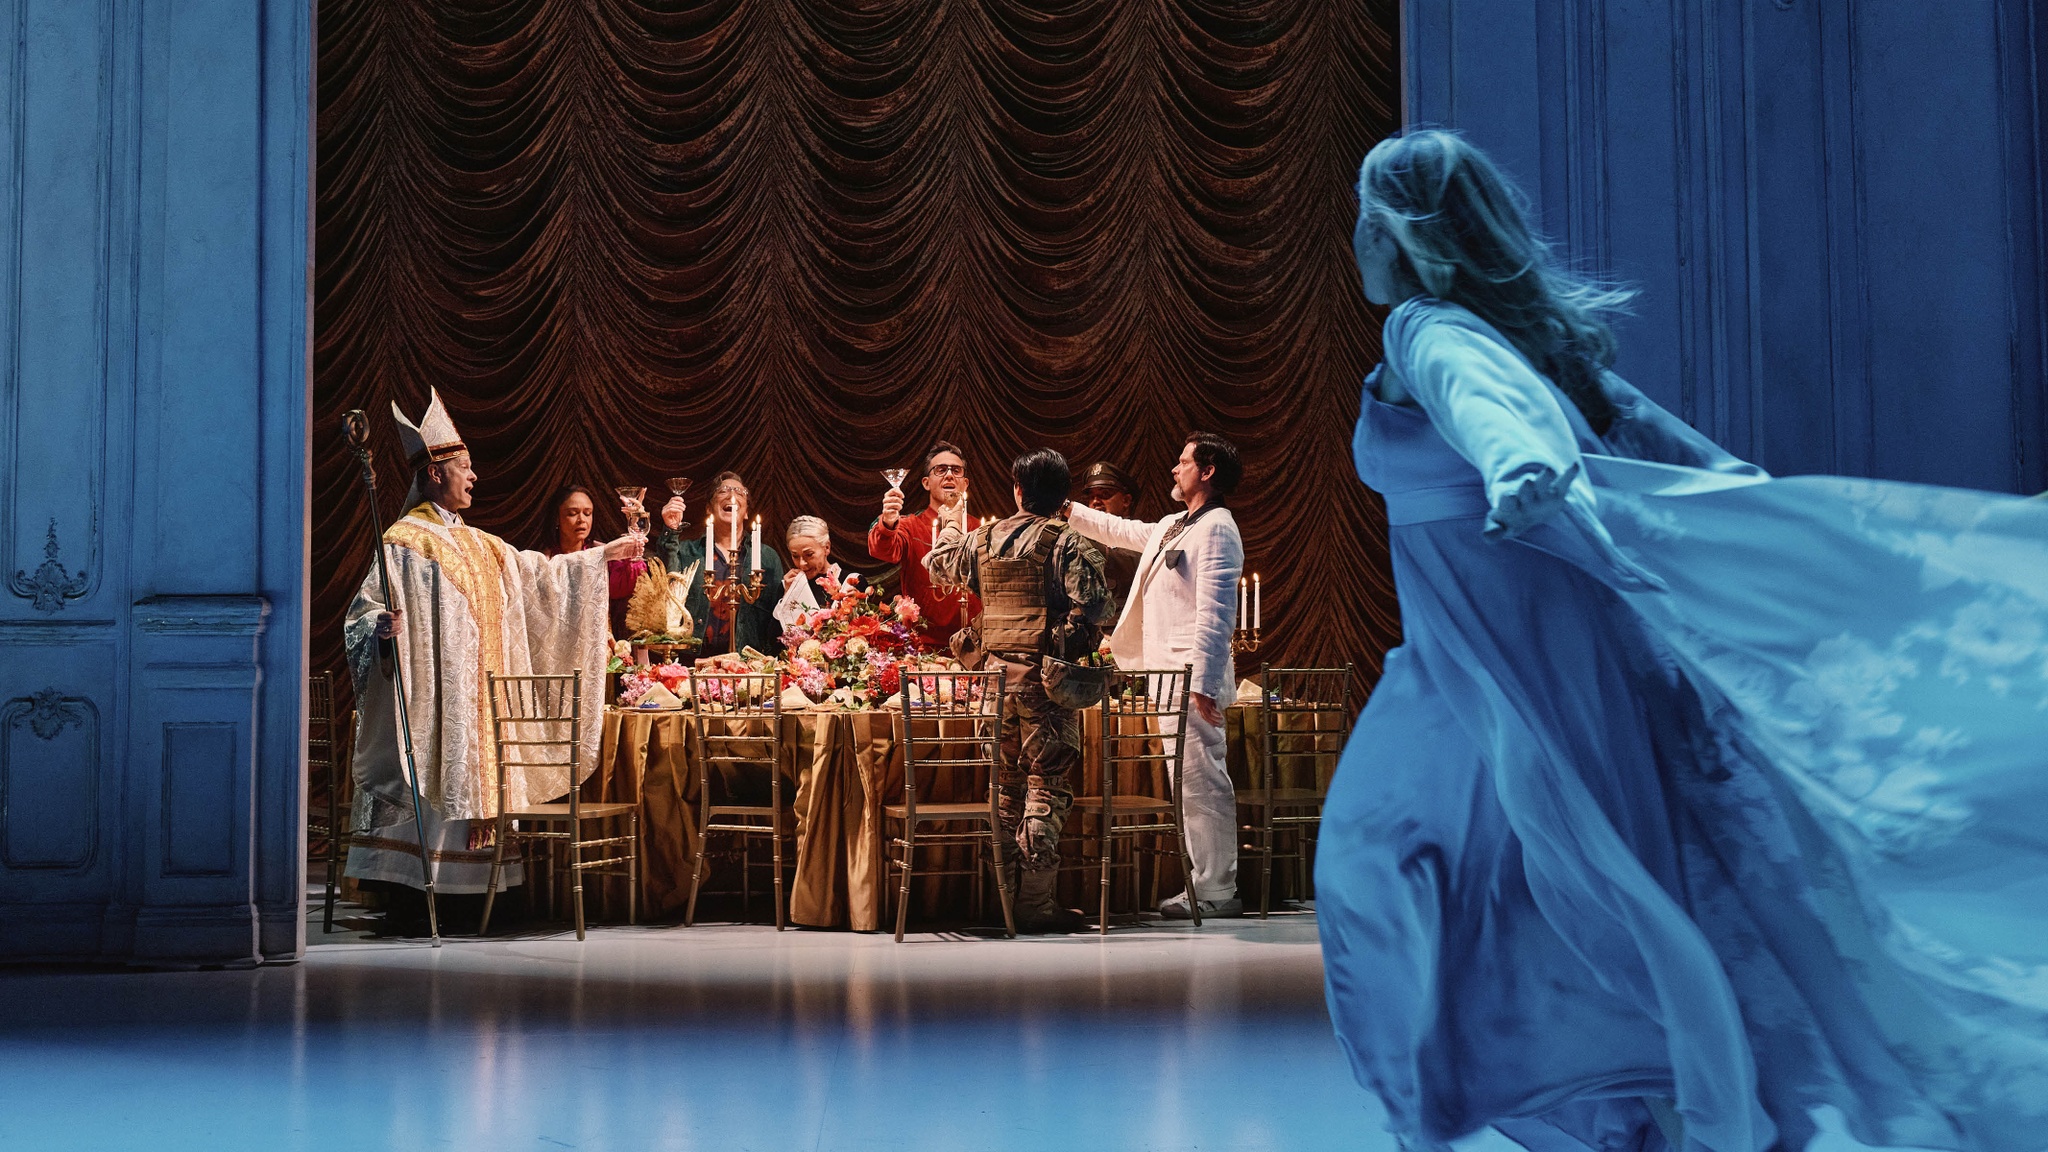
x=1074 y=686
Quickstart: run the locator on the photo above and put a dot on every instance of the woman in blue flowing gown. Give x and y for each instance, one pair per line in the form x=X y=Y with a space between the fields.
x=1694 y=801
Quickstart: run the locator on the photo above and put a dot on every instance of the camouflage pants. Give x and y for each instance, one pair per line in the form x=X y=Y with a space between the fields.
x=1041 y=744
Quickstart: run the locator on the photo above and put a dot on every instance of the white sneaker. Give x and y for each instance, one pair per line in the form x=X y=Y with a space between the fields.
x=1176 y=908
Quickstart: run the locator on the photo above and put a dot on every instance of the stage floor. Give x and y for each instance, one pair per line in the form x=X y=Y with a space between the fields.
x=714 y=1037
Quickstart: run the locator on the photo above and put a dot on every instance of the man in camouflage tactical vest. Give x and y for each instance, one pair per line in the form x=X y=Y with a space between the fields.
x=1044 y=592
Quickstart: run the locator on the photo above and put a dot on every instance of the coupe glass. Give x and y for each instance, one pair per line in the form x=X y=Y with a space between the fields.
x=636 y=514
x=678 y=485
x=895 y=477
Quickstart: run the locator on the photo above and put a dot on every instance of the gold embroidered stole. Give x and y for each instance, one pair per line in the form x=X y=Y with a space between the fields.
x=472 y=564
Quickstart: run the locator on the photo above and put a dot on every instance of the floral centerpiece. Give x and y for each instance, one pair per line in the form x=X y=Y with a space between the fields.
x=858 y=643
x=637 y=681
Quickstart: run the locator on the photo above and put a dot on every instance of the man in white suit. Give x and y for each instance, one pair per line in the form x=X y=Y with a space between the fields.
x=1181 y=610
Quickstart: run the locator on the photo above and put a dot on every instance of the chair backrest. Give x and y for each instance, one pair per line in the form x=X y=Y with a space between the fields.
x=1144 y=725
x=323 y=743
x=1304 y=715
x=324 y=774
x=537 y=721
x=738 y=721
x=951 y=722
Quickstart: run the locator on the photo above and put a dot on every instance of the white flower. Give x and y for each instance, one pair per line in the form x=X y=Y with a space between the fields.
x=1993 y=634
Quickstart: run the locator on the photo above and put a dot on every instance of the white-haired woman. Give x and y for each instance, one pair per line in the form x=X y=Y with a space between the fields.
x=810 y=560
x=1687 y=805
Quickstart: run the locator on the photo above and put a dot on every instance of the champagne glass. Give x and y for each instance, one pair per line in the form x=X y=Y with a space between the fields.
x=636 y=511
x=677 y=487
x=895 y=477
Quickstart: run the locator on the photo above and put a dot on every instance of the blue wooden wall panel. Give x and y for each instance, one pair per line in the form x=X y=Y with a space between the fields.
x=207 y=53
x=1934 y=227
x=1833 y=208
x=154 y=172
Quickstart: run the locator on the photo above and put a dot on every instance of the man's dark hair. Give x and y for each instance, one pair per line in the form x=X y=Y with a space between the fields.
x=936 y=448
x=1043 y=478
x=1213 y=451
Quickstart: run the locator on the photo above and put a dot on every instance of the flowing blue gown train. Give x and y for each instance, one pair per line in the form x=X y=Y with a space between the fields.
x=1716 y=789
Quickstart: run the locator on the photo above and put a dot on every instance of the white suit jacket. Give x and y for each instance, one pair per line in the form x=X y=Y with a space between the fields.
x=1180 y=615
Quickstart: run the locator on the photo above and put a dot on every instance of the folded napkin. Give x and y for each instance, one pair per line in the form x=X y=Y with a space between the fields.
x=658 y=697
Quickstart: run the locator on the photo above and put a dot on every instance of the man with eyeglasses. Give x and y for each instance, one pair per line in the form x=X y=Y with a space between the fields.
x=907 y=540
x=753 y=625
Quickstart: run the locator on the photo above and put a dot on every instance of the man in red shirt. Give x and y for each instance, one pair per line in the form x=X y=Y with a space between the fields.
x=906 y=540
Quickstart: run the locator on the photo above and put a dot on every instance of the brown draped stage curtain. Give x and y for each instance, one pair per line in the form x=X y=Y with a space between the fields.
x=630 y=239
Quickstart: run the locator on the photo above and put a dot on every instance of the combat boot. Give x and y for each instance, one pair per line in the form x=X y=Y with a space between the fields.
x=1037 y=912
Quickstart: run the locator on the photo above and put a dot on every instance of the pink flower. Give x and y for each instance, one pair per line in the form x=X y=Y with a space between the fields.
x=907 y=610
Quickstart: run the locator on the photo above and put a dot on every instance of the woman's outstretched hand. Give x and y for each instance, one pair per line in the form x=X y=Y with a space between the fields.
x=1536 y=499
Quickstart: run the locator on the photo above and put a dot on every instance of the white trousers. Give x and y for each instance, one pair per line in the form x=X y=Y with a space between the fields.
x=1209 y=807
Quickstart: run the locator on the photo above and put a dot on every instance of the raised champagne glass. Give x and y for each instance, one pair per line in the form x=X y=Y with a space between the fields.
x=678 y=486
x=895 y=477
x=636 y=509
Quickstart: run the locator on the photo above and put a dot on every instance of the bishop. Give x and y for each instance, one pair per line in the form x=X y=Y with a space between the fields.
x=463 y=603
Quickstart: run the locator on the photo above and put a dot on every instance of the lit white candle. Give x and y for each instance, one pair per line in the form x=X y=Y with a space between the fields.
x=757 y=544
x=1242 y=620
x=1255 y=602
x=935 y=530
x=710 y=557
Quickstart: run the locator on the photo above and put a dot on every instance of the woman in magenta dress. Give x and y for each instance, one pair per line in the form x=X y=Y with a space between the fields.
x=1694 y=802
x=572 y=515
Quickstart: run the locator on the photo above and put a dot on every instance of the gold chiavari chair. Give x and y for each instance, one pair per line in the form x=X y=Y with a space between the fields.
x=951 y=724
x=738 y=727
x=1304 y=714
x=1144 y=725
x=328 y=741
x=538 y=721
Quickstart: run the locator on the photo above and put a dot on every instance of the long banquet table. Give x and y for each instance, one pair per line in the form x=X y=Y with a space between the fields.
x=843 y=766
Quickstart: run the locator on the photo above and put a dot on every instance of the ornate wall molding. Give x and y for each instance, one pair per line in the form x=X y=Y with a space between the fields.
x=84 y=404
x=202 y=615
x=51 y=585
x=45 y=717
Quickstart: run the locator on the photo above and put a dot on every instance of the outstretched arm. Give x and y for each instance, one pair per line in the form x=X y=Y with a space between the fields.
x=1113 y=531
x=1490 y=406
x=1496 y=412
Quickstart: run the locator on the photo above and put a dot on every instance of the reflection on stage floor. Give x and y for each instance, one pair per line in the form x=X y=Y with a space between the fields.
x=714 y=1037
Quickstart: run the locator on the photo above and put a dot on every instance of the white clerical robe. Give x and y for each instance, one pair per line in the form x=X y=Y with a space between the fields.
x=472 y=603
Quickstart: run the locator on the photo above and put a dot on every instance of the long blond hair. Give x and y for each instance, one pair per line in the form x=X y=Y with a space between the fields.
x=1463 y=234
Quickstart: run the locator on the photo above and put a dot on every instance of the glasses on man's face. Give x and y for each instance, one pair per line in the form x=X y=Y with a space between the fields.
x=947 y=470
x=730 y=490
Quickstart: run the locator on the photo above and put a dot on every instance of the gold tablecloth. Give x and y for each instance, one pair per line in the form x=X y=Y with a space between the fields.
x=845 y=766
